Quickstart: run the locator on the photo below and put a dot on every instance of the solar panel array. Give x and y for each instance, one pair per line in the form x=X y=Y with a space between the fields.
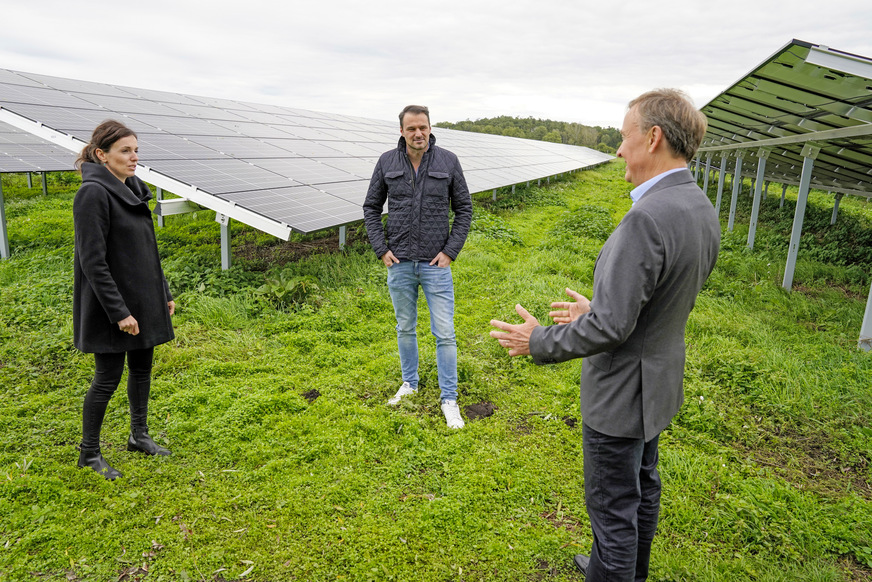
x=802 y=93
x=303 y=169
x=23 y=152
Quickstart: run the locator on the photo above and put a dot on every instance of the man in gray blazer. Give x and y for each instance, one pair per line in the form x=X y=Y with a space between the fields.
x=631 y=334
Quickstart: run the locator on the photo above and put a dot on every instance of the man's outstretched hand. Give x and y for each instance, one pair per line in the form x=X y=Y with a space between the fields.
x=515 y=338
x=568 y=311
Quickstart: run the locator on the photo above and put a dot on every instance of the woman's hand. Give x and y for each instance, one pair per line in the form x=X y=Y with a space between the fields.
x=172 y=306
x=129 y=325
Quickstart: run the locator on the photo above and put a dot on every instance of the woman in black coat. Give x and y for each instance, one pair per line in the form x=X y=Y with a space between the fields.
x=121 y=301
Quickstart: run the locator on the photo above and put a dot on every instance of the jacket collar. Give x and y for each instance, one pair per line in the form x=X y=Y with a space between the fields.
x=132 y=192
x=674 y=179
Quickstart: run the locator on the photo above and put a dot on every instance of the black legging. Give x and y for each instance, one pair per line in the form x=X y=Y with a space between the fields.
x=107 y=375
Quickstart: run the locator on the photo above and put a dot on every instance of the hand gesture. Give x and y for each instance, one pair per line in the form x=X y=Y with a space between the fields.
x=515 y=338
x=567 y=311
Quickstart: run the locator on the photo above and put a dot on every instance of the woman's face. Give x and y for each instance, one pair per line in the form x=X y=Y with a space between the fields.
x=121 y=158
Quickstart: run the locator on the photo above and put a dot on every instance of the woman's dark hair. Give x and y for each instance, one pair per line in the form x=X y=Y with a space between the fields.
x=105 y=134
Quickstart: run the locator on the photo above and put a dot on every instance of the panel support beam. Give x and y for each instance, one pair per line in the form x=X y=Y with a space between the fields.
x=865 y=341
x=762 y=156
x=173 y=206
x=158 y=196
x=737 y=185
x=839 y=196
x=224 y=221
x=722 y=175
x=4 y=237
x=708 y=169
x=342 y=230
x=809 y=153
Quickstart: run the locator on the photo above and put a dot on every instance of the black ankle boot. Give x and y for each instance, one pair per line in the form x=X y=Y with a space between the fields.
x=140 y=441
x=95 y=460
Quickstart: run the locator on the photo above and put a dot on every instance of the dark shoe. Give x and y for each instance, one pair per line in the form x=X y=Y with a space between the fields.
x=141 y=442
x=95 y=460
x=581 y=562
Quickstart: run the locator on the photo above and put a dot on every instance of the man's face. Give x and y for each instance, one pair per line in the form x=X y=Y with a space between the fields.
x=634 y=149
x=416 y=130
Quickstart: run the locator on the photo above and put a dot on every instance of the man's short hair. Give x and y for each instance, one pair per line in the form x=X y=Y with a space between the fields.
x=414 y=110
x=683 y=124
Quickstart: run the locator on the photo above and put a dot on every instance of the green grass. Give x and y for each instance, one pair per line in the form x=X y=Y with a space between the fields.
x=766 y=468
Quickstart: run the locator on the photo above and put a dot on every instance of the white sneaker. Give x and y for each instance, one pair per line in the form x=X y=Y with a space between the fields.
x=452 y=414
x=404 y=390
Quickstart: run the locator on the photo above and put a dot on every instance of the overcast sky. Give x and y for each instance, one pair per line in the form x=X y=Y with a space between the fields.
x=567 y=60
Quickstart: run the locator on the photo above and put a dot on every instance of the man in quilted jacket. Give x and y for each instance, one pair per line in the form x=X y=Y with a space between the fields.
x=421 y=183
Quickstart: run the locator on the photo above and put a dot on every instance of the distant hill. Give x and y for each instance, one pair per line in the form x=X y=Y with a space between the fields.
x=604 y=139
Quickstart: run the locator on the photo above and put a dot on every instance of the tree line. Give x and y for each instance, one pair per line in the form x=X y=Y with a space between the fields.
x=604 y=139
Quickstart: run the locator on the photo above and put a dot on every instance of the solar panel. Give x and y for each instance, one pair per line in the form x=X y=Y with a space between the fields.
x=23 y=152
x=276 y=168
x=801 y=93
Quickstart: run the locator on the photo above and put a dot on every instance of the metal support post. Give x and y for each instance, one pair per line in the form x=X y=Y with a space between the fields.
x=44 y=185
x=224 y=221
x=809 y=152
x=29 y=180
x=722 y=174
x=865 y=341
x=836 y=208
x=495 y=195
x=762 y=156
x=4 y=237
x=342 y=237
x=783 y=193
x=766 y=190
x=696 y=169
x=158 y=196
x=708 y=168
x=737 y=185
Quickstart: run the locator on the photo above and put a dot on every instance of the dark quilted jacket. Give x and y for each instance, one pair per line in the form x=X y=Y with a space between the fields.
x=418 y=227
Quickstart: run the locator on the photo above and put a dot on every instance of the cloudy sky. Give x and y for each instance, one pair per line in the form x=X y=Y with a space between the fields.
x=567 y=60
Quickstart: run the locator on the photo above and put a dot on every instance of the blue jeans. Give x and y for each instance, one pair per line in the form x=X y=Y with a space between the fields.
x=403 y=281
x=622 y=494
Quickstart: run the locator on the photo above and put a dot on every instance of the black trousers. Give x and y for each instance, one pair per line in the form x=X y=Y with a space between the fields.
x=107 y=375
x=622 y=494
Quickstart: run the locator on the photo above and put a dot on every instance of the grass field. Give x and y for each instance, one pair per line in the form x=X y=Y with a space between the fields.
x=288 y=465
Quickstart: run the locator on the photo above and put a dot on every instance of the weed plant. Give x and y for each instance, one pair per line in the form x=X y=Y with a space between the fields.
x=288 y=465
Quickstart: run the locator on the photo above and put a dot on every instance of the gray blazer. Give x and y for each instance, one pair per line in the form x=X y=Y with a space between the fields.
x=646 y=280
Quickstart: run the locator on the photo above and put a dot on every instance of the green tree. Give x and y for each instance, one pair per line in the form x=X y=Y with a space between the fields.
x=552 y=136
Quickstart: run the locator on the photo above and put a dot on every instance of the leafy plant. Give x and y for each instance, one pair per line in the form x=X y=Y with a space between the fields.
x=290 y=291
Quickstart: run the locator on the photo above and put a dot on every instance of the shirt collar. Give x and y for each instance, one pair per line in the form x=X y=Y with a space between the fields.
x=640 y=190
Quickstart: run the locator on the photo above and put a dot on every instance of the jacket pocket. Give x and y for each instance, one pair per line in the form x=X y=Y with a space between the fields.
x=437 y=184
x=397 y=185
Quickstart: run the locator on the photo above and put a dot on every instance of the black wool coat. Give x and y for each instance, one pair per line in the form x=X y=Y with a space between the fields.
x=117 y=268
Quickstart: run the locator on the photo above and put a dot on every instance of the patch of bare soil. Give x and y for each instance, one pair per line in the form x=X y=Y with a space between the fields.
x=265 y=256
x=479 y=410
x=810 y=462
